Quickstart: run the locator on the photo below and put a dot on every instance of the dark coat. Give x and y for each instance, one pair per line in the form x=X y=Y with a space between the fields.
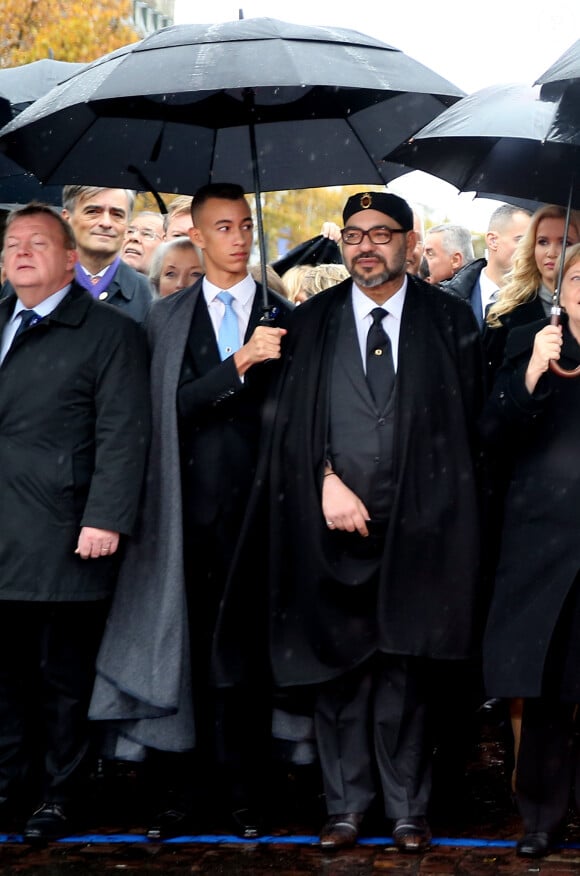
x=540 y=551
x=429 y=582
x=131 y=292
x=495 y=339
x=128 y=290
x=463 y=285
x=74 y=431
x=464 y=280
x=143 y=669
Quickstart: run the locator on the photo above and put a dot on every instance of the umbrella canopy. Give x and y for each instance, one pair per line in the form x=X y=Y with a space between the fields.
x=19 y=87
x=24 y=84
x=564 y=70
x=503 y=139
x=178 y=110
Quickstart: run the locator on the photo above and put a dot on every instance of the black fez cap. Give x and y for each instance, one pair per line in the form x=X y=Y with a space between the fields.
x=390 y=205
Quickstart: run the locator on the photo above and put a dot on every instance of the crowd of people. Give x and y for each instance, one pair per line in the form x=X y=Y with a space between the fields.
x=228 y=520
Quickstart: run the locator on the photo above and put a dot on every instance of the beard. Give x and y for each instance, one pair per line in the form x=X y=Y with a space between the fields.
x=397 y=269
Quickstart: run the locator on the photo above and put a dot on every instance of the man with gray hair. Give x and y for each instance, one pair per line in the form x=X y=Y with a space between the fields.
x=480 y=280
x=142 y=237
x=447 y=249
x=99 y=218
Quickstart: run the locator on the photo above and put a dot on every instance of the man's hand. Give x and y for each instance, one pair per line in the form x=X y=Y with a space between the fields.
x=342 y=508
x=264 y=344
x=94 y=543
x=547 y=346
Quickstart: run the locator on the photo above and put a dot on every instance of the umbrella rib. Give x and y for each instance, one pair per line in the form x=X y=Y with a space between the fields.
x=364 y=148
x=211 y=169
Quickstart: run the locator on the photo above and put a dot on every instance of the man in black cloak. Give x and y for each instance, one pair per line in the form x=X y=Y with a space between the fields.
x=373 y=541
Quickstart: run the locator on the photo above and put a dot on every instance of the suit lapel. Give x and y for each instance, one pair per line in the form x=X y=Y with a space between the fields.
x=202 y=344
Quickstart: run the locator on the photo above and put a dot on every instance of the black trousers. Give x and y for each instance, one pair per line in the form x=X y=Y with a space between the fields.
x=47 y=670
x=548 y=763
x=373 y=732
x=233 y=726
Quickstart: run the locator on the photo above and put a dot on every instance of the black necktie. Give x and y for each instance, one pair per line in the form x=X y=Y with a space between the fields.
x=28 y=318
x=380 y=369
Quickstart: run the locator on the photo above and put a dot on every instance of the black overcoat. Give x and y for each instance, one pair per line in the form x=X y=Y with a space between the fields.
x=540 y=549
x=74 y=432
x=428 y=595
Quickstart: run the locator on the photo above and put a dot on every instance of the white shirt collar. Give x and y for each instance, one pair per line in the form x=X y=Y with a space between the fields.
x=362 y=304
x=242 y=291
x=46 y=306
x=487 y=288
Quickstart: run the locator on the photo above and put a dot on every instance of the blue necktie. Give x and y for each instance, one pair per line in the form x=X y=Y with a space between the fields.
x=229 y=333
x=28 y=318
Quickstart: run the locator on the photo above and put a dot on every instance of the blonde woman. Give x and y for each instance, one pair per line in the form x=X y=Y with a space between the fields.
x=529 y=288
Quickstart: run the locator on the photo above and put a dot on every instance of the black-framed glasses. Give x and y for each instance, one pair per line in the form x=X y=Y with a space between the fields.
x=145 y=233
x=377 y=234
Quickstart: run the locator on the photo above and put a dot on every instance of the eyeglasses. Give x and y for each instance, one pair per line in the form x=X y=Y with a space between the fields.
x=145 y=233
x=378 y=234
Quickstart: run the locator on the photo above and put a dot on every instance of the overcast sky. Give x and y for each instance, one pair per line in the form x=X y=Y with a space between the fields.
x=470 y=44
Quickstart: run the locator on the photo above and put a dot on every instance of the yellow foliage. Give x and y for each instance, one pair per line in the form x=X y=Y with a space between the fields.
x=296 y=216
x=67 y=30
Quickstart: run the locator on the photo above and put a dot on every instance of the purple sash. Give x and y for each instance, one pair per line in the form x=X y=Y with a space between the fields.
x=95 y=289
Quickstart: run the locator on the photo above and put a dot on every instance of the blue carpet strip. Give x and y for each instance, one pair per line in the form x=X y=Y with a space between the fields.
x=219 y=839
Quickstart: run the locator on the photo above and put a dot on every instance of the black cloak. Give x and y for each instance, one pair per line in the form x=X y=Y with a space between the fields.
x=428 y=598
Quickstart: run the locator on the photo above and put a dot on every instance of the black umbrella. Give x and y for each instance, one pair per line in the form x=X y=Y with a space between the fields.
x=24 y=84
x=19 y=87
x=260 y=102
x=563 y=72
x=563 y=79
x=505 y=139
x=318 y=250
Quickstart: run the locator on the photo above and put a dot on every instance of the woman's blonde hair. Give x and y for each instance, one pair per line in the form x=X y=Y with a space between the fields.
x=524 y=279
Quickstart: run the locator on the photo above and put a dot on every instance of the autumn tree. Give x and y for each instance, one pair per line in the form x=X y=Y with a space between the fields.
x=292 y=217
x=67 y=30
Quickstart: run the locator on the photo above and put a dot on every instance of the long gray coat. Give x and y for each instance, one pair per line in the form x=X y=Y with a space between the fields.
x=143 y=669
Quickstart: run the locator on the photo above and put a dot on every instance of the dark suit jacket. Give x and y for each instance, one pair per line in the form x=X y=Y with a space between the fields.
x=131 y=292
x=220 y=416
x=74 y=430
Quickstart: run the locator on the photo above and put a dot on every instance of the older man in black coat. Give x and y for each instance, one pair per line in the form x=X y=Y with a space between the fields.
x=74 y=431
x=373 y=540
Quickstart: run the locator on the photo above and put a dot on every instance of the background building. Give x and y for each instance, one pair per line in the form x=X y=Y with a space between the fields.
x=152 y=15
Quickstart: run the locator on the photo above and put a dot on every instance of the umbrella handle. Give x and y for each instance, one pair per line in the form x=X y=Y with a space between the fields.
x=557 y=369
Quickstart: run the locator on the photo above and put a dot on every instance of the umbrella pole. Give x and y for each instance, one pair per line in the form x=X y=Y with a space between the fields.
x=556 y=309
x=267 y=308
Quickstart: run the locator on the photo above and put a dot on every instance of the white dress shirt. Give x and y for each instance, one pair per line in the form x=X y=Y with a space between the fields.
x=43 y=309
x=243 y=295
x=362 y=306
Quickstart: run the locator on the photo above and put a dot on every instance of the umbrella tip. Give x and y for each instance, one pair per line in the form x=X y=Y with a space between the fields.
x=241 y=14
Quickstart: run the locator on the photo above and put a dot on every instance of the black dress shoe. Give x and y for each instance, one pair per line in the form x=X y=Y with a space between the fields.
x=412 y=834
x=535 y=845
x=49 y=822
x=341 y=831
x=169 y=824
x=246 y=823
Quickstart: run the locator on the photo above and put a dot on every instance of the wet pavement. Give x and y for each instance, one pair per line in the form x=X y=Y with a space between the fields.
x=474 y=837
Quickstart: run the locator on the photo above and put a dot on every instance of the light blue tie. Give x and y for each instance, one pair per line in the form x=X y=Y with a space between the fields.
x=229 y=333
